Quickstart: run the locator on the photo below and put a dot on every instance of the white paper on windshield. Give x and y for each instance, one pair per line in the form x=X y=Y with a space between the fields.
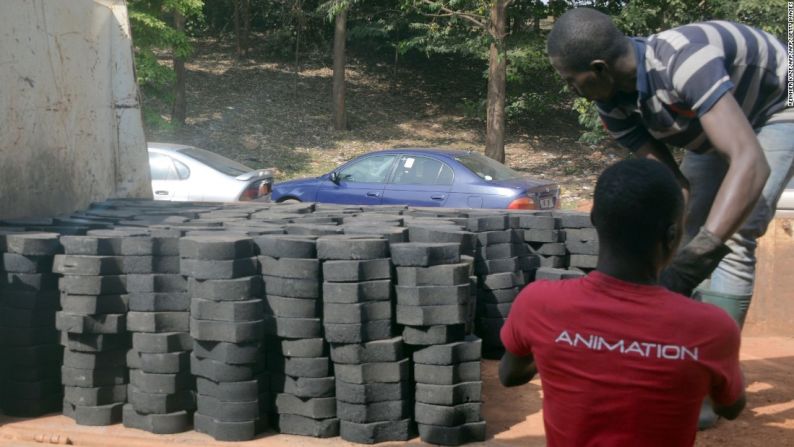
x=409 y=162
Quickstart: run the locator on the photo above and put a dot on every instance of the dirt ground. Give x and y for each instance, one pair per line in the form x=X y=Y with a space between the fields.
x=514 y=415
x=262 y=114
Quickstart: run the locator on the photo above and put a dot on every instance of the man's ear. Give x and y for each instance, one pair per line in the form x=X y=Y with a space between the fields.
x=599 y=66
x=672 y=238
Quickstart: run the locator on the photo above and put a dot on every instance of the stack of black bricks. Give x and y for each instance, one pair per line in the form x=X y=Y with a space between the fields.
x=29 y=380
x=306 y=330
x=372 y=388
x=93 y=295
x=449 y=392
x=165 y=255
x=433 y=293
x=380 y=223
x=581 y=241
x=503 y=265
x=93 y=321
x=301 y=377
x=430 y=314
x=545 y=238
x=423 y=230
x=555 y=274
x=227 y=327
x=160 y=394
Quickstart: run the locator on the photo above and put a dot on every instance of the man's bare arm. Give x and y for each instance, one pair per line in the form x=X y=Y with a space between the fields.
x=514 y=370
x=656 y=150
x=732 y=137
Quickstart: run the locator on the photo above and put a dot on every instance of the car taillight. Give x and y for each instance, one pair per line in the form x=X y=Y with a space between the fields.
x=248 y=194
x=522 y=203
x=256 y=190
x=251 y=192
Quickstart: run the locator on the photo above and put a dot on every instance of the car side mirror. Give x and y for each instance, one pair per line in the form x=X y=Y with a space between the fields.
x=334 y=177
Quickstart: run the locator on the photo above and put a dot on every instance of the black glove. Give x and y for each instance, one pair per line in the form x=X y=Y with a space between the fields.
x=694 y=263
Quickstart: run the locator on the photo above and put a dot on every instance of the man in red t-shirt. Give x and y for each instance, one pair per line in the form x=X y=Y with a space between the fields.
x=624 y=361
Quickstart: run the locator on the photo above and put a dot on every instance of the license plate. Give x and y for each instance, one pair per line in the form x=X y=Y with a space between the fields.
x=546 y=202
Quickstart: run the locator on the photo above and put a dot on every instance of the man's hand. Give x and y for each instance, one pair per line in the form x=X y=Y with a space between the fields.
x=656 y=150
x=694 y=263
x=514 y=370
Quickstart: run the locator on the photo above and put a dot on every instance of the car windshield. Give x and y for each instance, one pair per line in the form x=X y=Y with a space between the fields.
x=486 y=168
x=215 y=161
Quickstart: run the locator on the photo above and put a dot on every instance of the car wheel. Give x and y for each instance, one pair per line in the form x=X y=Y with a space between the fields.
x=289 y=201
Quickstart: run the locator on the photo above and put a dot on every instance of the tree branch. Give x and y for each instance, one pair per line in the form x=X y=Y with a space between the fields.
x=473 y=18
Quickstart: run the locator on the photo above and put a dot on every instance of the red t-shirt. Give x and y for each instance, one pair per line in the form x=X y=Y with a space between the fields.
x=623 y=364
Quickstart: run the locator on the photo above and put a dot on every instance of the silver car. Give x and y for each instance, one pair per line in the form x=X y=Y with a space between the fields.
x=187 y=173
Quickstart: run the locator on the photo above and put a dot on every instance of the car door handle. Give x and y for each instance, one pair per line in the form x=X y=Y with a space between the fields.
x=438 y=196
x=373 y=194
x=161 y=193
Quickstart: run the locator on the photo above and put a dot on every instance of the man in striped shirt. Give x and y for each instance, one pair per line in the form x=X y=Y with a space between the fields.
x=716 y=89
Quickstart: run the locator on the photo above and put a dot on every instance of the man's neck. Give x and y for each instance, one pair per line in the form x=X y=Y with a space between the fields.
x=627 y=269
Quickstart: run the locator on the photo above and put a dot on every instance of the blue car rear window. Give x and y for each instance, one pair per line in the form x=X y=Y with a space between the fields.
x=487 y=168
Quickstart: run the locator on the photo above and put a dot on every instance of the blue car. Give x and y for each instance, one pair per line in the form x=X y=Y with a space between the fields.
x=423 y=177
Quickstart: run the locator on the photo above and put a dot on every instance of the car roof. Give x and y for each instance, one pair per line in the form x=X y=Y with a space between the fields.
x=425 y=151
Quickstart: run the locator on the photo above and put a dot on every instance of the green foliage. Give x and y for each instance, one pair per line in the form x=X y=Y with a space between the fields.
x=589 y=119
x=152 y=34
x=453 y=28
x=439 y=27
x=640 y=17
x=376 y=35
x=432 y=38
x=420 y=31
x=765 y=14
x=280 y=43
x=474 y=108
x=153 y=120
x=333 y=7
x=534 y=89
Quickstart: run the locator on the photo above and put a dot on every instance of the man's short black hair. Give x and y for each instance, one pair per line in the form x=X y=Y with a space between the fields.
x=583 y=35
x=635 y=203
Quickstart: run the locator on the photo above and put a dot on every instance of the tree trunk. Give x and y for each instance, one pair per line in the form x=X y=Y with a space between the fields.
x=340 y=35
x=179 y=110
x=238 y=48
x=497 y=81
x=298 y=10
x=245 y=19
x=394 y=74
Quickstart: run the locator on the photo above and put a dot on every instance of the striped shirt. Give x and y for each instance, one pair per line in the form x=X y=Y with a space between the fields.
x=683 y=72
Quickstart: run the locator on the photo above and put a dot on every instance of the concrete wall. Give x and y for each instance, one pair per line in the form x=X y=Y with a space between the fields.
x=772 y=308
x=71 y=130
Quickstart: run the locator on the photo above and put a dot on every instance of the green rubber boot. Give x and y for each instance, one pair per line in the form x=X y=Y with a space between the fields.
x=736 y=306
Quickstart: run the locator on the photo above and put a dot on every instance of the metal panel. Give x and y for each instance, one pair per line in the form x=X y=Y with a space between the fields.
x=71 y=124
